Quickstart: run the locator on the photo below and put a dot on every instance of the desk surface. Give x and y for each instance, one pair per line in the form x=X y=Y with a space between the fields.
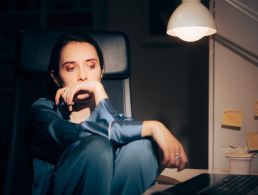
x=189 y=173
x=181 y=177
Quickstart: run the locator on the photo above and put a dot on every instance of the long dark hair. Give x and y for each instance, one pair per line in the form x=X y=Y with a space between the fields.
x=61 y=42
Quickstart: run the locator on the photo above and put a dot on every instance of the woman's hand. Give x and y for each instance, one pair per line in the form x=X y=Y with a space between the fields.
x=80 y=91
x=173 y=151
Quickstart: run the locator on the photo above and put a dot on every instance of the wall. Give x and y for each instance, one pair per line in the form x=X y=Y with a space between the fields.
x=233 y=77
x=169 y=79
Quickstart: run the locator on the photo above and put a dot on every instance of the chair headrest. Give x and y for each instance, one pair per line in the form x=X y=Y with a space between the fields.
x=35 y=49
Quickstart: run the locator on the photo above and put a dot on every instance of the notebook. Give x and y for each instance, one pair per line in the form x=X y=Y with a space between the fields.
x=216 y=184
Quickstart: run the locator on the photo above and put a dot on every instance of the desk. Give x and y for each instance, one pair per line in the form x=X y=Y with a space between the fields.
x=181 y=177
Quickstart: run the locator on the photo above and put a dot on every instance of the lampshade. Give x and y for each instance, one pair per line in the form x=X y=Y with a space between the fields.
x=191 y=21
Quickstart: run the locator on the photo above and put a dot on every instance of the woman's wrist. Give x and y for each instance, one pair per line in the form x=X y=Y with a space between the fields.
x=99 y=92
x=153 y=129
x=148 y=128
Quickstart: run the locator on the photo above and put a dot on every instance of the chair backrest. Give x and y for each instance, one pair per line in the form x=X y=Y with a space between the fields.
x=33 y=58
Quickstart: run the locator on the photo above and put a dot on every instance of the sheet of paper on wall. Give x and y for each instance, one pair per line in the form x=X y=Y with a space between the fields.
x=256 y=111
x=232 y=119
x=252 y=141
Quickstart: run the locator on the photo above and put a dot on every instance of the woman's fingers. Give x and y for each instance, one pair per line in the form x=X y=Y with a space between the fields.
x=184 y=160
x=173 y=152
x=166 y=158
x=178 y=160
x=64 y=93
x=174 y=156
x=70 y=95
x=58 y=95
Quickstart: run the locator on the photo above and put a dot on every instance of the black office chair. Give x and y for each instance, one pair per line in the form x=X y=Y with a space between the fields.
x=33 y=57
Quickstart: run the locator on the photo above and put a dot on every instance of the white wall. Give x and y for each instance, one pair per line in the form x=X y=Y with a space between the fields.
x=233 y=77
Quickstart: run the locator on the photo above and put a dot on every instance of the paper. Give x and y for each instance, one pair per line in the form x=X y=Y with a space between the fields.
x=232 y=119
x=252 y=141
x=237 y=152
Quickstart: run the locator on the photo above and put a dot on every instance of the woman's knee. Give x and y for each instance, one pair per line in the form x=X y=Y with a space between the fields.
x=136 y=165
x=141 y=153
x=90 y=149
x=142 y=149
x=97 y=148
x=89 y=161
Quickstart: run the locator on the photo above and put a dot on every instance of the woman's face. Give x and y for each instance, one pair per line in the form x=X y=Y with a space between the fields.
x=79 y=62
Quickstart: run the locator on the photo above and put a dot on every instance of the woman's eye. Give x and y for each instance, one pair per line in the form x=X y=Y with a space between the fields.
x=70 y=68
x=91 y=66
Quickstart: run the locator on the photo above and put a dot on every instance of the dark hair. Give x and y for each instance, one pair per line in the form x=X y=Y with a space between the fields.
x=56 y=52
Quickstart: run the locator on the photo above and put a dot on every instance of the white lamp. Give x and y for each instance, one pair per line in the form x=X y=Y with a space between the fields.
x=191 y=21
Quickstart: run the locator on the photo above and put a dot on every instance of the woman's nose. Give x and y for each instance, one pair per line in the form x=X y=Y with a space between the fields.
x=82 y=75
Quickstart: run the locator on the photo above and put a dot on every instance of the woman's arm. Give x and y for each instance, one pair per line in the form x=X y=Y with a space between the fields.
x=173 y=151
x=123 y=131
x=50 y=133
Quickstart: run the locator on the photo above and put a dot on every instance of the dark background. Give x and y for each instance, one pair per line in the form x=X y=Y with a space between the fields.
x=169 y=78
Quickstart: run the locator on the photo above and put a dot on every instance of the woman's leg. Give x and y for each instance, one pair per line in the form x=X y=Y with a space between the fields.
x=136 y=168
x=87 y=168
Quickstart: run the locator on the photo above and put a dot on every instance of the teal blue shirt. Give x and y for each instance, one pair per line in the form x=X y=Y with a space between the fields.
x=52 y=134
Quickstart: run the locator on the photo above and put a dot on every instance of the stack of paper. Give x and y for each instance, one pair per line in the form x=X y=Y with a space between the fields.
x=237 y=152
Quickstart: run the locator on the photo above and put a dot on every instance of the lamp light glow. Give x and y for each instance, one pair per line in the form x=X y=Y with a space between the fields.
x=191 y=21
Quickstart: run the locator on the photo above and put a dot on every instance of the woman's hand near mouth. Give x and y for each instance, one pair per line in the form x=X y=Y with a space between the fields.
x=81 y=91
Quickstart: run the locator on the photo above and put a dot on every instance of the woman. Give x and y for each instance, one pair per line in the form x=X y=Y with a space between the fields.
x=94 y=149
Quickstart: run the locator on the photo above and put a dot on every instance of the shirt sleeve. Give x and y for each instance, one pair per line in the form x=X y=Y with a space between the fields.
x=113 y=125
x=50 y=133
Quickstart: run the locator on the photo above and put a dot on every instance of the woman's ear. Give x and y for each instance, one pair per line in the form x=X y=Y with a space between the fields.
x=55 y=79
x=102 y=73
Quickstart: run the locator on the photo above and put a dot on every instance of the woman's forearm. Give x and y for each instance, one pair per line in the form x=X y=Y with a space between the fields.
x=148 y=127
